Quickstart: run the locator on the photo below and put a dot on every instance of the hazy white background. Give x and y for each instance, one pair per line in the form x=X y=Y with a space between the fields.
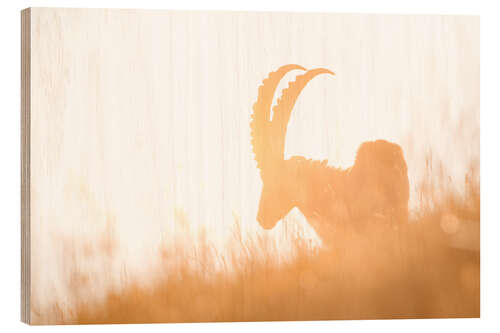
x=139 y=116
x=10 y=145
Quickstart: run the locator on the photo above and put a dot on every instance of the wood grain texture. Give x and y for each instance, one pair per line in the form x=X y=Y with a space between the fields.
x=136 y=138
x=25 y=164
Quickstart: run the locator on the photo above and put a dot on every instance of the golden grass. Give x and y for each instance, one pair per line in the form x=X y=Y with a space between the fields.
x=418 y=271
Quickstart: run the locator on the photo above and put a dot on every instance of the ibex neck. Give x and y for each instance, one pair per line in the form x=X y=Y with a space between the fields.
x=320 y=191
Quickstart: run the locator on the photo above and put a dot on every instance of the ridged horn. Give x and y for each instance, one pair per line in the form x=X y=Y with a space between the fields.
x=260 y=123
x=284 y=107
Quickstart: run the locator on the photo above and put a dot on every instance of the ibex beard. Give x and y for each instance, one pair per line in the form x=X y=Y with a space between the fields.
x=375 y=188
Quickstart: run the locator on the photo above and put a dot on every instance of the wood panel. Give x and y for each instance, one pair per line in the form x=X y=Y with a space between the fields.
x=137 y=145
x=25 y=164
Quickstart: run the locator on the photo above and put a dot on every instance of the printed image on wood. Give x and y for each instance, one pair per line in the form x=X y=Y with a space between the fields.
x=239 y=166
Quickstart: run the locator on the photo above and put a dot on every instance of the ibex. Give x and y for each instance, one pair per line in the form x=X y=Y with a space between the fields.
x=376 y=187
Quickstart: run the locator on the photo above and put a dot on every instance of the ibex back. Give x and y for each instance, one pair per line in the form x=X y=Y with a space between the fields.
x=376 y=187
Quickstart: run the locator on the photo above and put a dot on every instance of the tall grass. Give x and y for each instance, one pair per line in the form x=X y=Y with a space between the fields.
x=428 y=268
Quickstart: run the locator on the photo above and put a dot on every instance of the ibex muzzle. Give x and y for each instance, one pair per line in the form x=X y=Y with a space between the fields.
x=272 y=209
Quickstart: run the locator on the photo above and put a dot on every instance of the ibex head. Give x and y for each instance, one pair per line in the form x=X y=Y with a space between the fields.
x=268 y=138
x=276 y=199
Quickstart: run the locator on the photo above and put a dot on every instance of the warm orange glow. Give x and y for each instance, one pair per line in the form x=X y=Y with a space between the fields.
x=374 y=261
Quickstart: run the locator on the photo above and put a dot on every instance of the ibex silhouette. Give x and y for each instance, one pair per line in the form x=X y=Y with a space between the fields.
x=376 y=187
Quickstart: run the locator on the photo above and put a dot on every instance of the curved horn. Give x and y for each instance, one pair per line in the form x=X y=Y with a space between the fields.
x=284 y=107
x=261 y=114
